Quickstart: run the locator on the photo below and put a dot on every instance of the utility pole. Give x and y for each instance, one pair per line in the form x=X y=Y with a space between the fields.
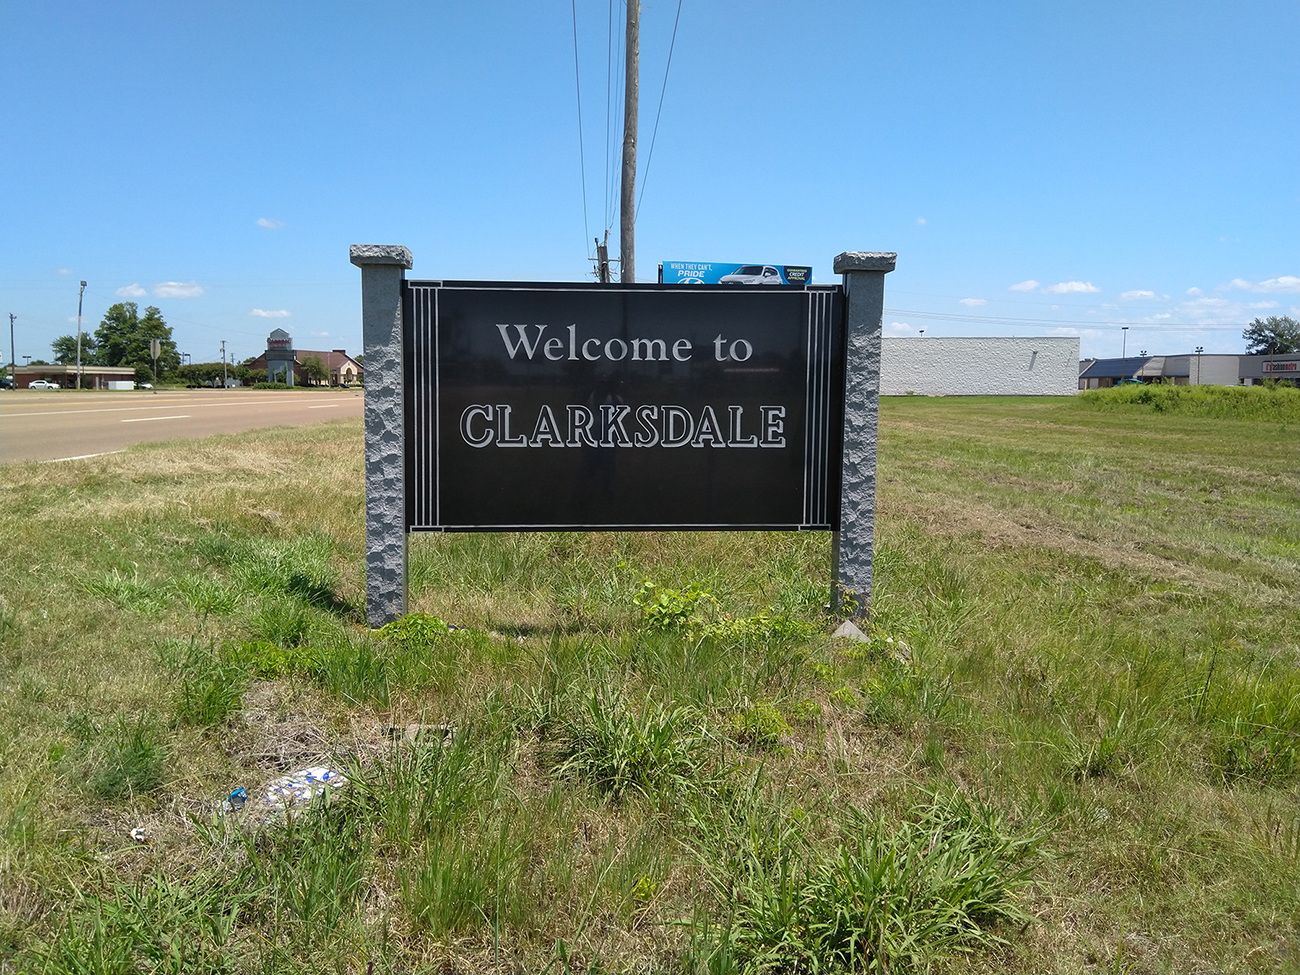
x=627 y=206
x=224 y=378
x=602 y=260
x=79 y=294
x=12 y=354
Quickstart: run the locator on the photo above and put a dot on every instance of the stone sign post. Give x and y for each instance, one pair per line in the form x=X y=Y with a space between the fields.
x=864 y=286
x=383 y=267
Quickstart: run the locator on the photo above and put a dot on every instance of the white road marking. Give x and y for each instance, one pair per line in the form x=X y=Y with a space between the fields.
x=128 y=409
x=327 y=406
x=142 y=419
x=104 y=453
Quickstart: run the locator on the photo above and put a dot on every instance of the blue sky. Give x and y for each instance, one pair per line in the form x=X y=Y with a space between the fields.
x=1038 y=167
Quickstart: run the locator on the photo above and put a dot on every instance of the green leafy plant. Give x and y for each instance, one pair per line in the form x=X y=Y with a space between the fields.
x=268 y=660
x=760 y=725
x=672 y=609
x=414 y=632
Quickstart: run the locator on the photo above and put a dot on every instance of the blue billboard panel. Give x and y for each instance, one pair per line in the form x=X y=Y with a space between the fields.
x=703 y=272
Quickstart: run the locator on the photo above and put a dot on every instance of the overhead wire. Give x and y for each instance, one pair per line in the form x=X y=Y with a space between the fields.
x=616 y=130
x=582 y=152
x=645 y=176
x=609 y=84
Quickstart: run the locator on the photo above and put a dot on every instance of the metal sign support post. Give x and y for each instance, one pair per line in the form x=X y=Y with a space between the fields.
x=383 y=266
x=852 y=546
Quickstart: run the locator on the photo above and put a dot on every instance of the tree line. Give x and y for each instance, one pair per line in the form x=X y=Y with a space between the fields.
x=123 y=339
x=124 y=335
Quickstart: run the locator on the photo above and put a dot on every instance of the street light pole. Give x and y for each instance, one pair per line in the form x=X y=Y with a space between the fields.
x=79 y=295
x=1124 y=348
x=13 y=355
x=1199 y=350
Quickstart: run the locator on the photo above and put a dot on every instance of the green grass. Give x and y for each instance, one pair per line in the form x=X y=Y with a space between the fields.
x=1070 y=744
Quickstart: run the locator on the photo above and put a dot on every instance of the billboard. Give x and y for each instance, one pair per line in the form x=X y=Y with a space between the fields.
x=534 y=407
x=695 y=272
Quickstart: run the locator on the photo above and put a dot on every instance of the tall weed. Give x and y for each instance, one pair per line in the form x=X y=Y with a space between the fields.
x=1278 y=404
x=652 y=750
x=887 y=898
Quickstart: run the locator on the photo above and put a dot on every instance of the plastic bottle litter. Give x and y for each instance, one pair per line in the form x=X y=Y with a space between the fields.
x=235 y=801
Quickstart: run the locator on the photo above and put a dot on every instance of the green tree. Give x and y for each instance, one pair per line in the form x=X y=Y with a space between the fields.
x=123 y=338
x=1275 y=335
x=65 y=349
x=211 y=373
x=315 y=369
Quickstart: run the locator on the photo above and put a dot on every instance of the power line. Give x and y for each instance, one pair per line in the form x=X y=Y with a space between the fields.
x=609 y=86
x=582 y=152
x=616 y=129
x=645 y=176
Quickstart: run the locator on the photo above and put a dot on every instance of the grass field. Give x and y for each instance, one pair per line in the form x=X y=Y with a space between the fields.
x=1071 y=744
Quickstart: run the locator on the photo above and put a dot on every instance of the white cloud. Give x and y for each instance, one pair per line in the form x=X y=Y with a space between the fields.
x=269 y=224
x=1193 y=291
x=1072 y=288
x=1262 y=304
x=1067 y=330
x=1030 y=285
x=1275 y=285
x=65 y=270
x=1139 y=296
x=320 y=335
x=920 y=221
x=972 y=302
x=898 y=328
x=278 y=313
x=1272 y=286
x=131 y=291
x=177 y=289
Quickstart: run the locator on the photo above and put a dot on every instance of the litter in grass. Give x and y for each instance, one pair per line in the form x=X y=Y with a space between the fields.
x=139 y=835
x=235 y=801
x=300 y=788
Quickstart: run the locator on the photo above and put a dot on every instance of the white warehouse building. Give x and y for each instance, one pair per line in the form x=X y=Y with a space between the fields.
x=1042 y=366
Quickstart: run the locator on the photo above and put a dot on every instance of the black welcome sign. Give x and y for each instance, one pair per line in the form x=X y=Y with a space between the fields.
x=570 y=406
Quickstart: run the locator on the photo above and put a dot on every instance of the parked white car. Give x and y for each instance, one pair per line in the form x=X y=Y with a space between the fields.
x=753 y=274
x=42 y=384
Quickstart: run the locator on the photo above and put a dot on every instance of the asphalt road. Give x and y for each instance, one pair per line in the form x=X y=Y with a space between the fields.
x=67 y=424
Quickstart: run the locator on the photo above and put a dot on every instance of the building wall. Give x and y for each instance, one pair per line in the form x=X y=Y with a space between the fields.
x=1215 y=370
x=1044 y=366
